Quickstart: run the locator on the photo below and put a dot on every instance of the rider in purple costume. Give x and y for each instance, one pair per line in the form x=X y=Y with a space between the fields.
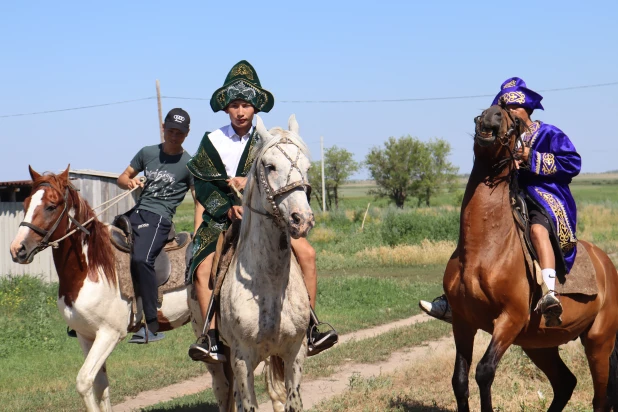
x=548 y=162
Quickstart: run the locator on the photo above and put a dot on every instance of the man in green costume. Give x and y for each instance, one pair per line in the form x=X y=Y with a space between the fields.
x=223 y=159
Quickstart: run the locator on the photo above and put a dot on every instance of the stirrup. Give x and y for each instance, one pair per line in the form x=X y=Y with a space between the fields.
x=315 y=327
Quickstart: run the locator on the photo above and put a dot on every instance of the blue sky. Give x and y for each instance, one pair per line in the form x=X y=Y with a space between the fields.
x=66 y=54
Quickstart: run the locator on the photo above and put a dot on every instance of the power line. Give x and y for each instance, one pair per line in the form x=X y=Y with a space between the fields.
x=417 y=99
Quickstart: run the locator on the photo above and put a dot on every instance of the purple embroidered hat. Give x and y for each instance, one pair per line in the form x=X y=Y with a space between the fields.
x=514 y=91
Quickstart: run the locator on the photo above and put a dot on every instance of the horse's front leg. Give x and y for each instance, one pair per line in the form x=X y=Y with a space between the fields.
x=244 y=361
x=293 y=372
x=505 y=332
x=464 y=343
x=96 y=352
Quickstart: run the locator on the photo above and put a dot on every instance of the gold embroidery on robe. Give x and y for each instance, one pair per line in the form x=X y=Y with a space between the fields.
x=214 y=202
x=549 y=164
x=204 y=165
x=565 y=233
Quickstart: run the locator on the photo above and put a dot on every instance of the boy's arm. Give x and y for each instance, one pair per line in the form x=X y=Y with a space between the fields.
x=199 y=211
x=128 y=179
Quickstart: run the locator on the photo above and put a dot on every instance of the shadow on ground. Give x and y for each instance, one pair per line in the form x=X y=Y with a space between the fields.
x=196 y=407
x=409 y=405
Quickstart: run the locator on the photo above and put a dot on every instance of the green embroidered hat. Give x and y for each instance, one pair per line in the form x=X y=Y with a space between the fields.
x=242 y=82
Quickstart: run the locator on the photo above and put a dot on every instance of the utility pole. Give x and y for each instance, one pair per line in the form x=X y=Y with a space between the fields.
x=160 y=114
x=323 y=179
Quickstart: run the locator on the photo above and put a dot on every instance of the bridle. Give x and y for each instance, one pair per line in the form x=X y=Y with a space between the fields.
x=47 y=234
x=503 y=140
x=270 y=192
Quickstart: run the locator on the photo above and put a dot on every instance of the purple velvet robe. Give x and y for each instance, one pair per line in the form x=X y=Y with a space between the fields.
x=553 y=163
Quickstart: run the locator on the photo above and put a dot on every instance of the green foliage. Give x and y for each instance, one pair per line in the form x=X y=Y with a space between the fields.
x=408 y=167
x=339 y=165
x=412 y=227
x=27 y=307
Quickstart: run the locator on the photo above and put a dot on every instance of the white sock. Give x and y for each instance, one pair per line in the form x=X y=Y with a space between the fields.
x=549 y=277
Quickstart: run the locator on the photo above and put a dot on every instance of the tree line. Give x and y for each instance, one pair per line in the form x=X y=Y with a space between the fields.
x=403 y=169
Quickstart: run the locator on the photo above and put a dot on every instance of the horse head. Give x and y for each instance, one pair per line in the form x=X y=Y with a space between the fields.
x=278 y=179
x=46 y=215
x=497 y=135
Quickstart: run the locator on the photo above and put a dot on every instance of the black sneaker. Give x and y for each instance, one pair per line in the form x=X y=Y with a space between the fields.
x=320 y=341
x=208 y=350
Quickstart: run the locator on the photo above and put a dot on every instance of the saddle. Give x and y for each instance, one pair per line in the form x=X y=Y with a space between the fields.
x=581 y=278
x=169 y=265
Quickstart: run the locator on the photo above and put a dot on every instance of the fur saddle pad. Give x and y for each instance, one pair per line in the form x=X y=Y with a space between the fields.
x=582 y=278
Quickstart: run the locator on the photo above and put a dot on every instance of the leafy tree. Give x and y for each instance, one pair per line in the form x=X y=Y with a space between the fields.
x=339 y=165
x=394 y=168
x=407 y=167
x=436 y=173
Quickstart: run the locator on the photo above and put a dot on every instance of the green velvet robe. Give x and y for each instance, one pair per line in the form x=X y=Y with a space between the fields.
x=212 y=191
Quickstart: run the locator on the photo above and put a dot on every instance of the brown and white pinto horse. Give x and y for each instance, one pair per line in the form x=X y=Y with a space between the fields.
x=89 y=297
x=488 y=288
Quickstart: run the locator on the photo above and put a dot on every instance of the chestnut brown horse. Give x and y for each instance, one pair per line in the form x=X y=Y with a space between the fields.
x=488 y=286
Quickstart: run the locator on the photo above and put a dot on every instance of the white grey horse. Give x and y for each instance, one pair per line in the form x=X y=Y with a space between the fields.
x=264 y=306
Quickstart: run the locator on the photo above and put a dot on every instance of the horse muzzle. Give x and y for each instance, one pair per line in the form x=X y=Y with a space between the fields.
x=300 y=223
x=20 y=254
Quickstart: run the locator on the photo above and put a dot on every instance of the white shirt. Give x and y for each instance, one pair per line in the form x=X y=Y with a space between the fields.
x=230 y=147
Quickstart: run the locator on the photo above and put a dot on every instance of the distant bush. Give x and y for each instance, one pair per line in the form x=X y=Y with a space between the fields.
x=413 y=226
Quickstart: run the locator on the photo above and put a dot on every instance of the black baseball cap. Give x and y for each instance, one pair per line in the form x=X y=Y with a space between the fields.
x=178 y=119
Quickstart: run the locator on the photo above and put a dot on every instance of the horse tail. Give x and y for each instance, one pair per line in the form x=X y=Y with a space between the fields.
x=275 y=384
x=612 y=383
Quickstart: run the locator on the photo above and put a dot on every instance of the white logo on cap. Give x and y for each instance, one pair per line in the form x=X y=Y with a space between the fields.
x=179 y=118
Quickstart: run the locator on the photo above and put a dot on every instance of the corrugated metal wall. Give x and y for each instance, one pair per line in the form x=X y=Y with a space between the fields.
x=95 y=189
x=11 y=215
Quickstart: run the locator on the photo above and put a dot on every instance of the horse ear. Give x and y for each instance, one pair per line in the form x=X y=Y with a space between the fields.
x=293 y=125
x=261 y=129
x=65 y=175
x=33 y=174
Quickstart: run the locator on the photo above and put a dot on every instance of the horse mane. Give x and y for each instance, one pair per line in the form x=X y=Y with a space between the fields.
x=100 y=252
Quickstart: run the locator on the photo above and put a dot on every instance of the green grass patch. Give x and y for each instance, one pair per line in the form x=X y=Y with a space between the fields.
x=41 y=376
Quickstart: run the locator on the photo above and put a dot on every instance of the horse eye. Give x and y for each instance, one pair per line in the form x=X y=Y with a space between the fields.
x=270 y=168
x=51 y=208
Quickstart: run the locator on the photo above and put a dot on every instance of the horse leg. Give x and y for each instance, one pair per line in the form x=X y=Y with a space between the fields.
x=599 y=347
x=223 y=383
x=464 y=344
x=96 y=352
x=293 y=371
x=101 y=389
x=562 y=380
x=505 y=332
x=243 y=363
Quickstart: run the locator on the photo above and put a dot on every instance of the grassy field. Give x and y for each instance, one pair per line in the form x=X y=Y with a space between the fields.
x=426 y=386
x=40 y=363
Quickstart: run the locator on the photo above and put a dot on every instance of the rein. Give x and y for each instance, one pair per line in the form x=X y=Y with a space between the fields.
x=504 y=141
x=271 y=193
x=45 y=243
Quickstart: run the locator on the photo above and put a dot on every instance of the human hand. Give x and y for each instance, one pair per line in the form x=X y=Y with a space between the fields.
x=235 y=213
x=238 y=183
x=135 y=182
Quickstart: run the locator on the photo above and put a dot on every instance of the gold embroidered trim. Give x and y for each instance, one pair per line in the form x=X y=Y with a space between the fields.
x=251 y=155
x=205 y=235
x=214 y=202
x=514 y=97
x=242 y=70
x=509 y=84
x=532 y=133
x=537 y=167
x=565 y=233
x=549 y=164
x=203 y=165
